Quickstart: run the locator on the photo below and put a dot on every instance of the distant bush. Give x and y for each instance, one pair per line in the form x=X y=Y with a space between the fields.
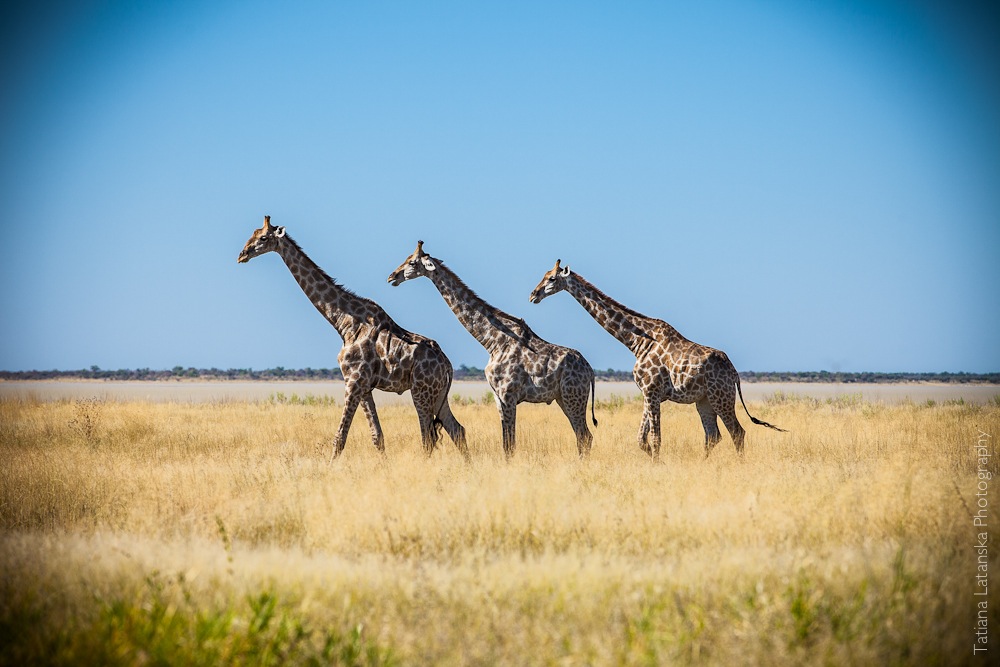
x=615 y=402
x=279 y=398
x=486 y=399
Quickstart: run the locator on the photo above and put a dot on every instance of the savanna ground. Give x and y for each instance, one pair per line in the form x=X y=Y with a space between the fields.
x=168 y=533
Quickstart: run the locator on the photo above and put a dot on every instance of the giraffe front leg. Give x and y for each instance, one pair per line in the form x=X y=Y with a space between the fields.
x=351 y=402
x=368 y=406
x=508 y=420
x=643 y=436
x=652 y=415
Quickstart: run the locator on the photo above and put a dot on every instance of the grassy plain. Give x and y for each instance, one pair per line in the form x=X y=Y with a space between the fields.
x=159 y=533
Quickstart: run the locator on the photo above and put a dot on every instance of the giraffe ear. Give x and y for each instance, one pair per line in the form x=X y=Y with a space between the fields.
x=428 y=262
x=564 y=271
x=280 y=232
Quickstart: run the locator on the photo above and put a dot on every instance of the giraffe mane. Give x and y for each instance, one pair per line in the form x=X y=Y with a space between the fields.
x=322 y=272
x=505 y=317
x=603 y=295
x=393 y=326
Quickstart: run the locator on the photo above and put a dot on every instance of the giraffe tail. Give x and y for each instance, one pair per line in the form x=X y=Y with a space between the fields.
x=593 y=399
x=759 y=422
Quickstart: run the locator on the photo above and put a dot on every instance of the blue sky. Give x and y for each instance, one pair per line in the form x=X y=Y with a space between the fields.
x=804 y=185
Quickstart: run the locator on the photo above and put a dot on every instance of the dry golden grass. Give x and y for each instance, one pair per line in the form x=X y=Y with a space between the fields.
x=131 y=530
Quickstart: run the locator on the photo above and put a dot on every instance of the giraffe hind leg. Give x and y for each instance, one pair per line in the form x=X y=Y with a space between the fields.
x=710 y=422
x=453 y=428
x=735 y=429
x=725 y=406
x=428 y=425
x=576 y=413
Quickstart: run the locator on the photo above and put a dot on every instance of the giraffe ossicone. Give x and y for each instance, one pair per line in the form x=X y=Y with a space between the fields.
x=377 y=353
x=668 y=366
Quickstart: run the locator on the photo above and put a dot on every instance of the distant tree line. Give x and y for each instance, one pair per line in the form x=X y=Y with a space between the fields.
x=179 y=373
x=869 y=377
x=464 y=372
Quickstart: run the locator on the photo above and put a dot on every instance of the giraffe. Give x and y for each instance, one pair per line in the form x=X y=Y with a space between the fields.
x=377 y=353
x=523 y=368
x=668 y=366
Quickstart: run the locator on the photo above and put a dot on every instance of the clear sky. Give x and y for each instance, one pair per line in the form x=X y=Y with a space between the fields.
x=806 y=185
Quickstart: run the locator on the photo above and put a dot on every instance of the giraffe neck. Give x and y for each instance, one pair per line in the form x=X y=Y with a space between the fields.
x=490 y=326
x=633 y=329
x=347 y=312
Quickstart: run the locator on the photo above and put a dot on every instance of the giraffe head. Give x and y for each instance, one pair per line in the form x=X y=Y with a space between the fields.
x=262 y=240
x=553 y=281
x=416 y=265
